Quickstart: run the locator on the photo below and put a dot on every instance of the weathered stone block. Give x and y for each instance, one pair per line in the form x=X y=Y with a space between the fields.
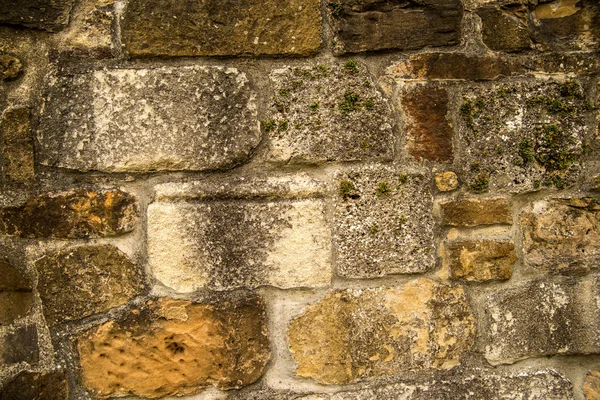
x=167 y=118
x=591 y=386
x=174 y=347
x=562 y=235
x=17 y=140
x=50 y=15
x=428 y=131
x=504 y=31
x=19 y=345
x=355 y=334
x=16 y=297
x=328 y=113
x=86 y=280
x=36 y=386
x=10 y=67
x=247 y=235
x=544 y=317
x=480 y=260
x=446 y=181
x=221 y=28
x=383 y=223
x=370 y=25
x=73 y=214
x=473 y=212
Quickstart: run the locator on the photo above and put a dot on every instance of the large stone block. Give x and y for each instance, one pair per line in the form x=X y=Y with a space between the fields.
x=16 y=297
x=356 y=334
x=167 y=118
x=382 y=222
x=247 y=233
x=328 y=113
x=50 y=15
x=370 y=25
x=174 y=347
x=503 y=30
x=221 y=28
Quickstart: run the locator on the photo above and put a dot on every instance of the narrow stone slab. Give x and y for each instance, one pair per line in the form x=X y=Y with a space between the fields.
x=168 y=118
x=174 y=347
x=16 y=297
x=17 y=141
x=480 y=260
x=40 y=14
x=356 y=334
x=473 y=212
x=221 y=28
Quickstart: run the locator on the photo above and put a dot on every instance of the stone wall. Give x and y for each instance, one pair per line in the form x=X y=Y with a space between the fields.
x=300 y=199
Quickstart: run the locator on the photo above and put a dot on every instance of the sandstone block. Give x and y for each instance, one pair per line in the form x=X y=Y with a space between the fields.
x=19 y=345
x=503 y=31
x=446 y=181
x=86 y=280
x=39 y=14
x=328 y=113
x=16 y=297
x=10 y=67
x=247 y=233
x=90 y=29
x=562 y=235
x=372 y=25
x=174 y=347
x=473 y=212
x=72 y=214
x=36 y=386
x=17 y=140
x=218 y=28
x=355 y=334
x=539 y=318
x=480 y=260
x=167 y=118
x=591 y=386
x=382 y=222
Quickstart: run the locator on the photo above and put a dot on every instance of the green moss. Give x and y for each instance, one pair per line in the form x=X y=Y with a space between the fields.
x=481 y=183
x=283 y=125
x=269 y=125
x=374 y=229
x=554 y=180
x=571 y=89
x=284 y=92
x=335 y=8
x=351 y=67
x=526 y=152
x=403 y=178
x=553 y=150
x=553 y=106
x=346 y=188
x=322 y=69
x=369 y=104
x=536 y=184
x=383 y=189
x=351 y=103
x=475 y=166
x=402 y=220
x=297 y=84
x=314 y=106
x=470 y=112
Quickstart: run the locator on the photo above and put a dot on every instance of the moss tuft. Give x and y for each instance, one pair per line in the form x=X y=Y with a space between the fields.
x=346 y=188
x=351 y=67
x=383 y=189
x=481 y=183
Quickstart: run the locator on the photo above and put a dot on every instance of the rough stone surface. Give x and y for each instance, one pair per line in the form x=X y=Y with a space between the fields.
x=328 y=113
x=428 y=131
x=17 y=141
x=36 y=386
x=591 y=386
x=538 y=318
x=240 y=238
x=562 y=235
x=73 y=214
x=355 y=334
x=86 y=280
x=480 y=260
x=167 y=118
x=16 y=297
x=19 y=345
x=174 y=347
x=476 y=211
x=382 y=222
x=50 y=15
x=10 y=67
x=504 y=31
x=221 y=28
x=370 y=25
x=521 y=136
x=446 y=181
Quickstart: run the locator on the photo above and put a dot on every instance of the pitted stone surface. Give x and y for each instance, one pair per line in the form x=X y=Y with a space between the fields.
x=504 y=31
x=382 y=222
x=10 y=67
x=50 y=15
x=36 y=386
x=221 y=28
x=476 y=211
x=480 y=260
x=355 y=334
x=17 y=143
x=562 y=235
x=174 y=347
x=86 y=280
x=328 y=113
x=265 y=231
x=167 y=118
x=73 y=214
x=16 y=297
x=539 y=318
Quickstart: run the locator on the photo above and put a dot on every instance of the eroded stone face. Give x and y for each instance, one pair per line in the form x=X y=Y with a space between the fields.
x=36 y=386
x=17 y=140
x=39 y=14
x=480 y=260
x=562 y=235
x=446 y=181
x=167 y=118
x=174 y=347
x=86 y=280
x=73 y=214
x=476 y=211
x=16 y=297
x=328 y=113
x=503 y=30
x=220 y=28
x=10 y=67
x=371 y=25
x=355 y=334
x=383 y=223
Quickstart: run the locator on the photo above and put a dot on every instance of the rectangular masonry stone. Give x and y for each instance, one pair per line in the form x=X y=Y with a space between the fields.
x=479 y=260
x=473 y=212
x=221 y=27
x=50 y=15
x=235 y=240
x=166 y=118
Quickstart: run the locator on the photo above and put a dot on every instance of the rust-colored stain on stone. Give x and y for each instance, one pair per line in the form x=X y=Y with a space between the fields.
x=174 y=347
x=354 y=334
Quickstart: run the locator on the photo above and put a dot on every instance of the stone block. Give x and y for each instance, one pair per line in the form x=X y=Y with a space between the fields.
x=86 y=280
x=19 y=345
x=371 y=25
x=166 y=118
x=49 y=15
x=562 y=235
x=174 y=347
x=503 y=30
x=221 y=28
x=591 y=386
x=36 y=386
x=476 y=211
x=17 y=140
x=479 y=260
x=328 y=113
x=382 y=222
x=11 y=67
x=16 y=297
x=72 y=214
x=247 y=233
x=446 y=181
x=363 y=333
